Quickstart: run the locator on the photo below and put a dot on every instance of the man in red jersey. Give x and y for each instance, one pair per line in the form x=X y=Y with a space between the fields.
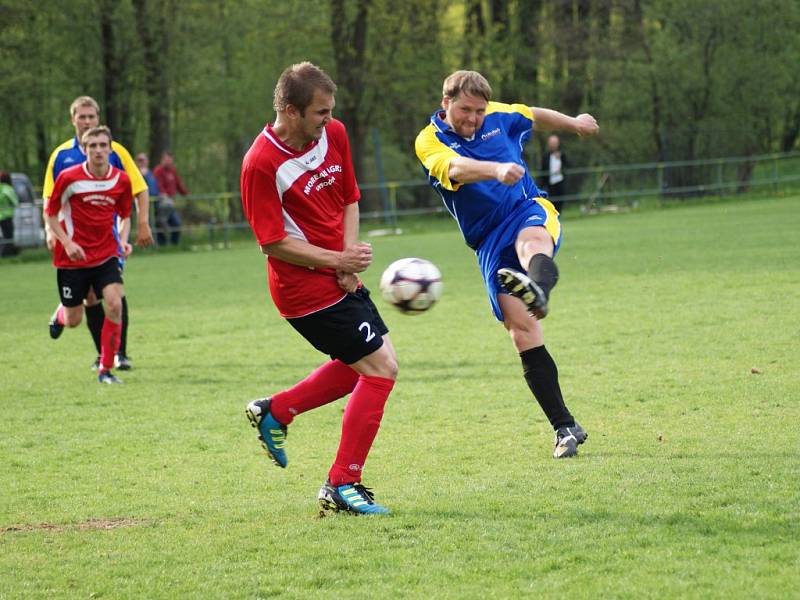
x=86 y=200
x=300 y=196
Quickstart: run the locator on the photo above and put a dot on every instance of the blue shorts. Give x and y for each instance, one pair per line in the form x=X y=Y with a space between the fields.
x=497 y=249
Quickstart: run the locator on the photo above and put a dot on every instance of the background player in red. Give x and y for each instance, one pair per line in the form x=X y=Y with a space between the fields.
x=84 y=115
x=81 y=212
x=300 y=196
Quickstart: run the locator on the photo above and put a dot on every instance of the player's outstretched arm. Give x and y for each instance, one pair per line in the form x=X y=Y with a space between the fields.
x=353 y=259
x=469 y=170
x=552 y=120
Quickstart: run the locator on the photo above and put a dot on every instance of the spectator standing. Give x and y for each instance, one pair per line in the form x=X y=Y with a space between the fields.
x=554 y=163
x=8 y=203
x=143 y=162
x=170 y=185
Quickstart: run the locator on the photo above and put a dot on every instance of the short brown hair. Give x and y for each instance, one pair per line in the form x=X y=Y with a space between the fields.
x=83 y=101
x=471 y=83
x=297 y=84
x=99 y=130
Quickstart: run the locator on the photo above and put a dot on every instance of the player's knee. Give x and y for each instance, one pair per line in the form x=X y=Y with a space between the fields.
x=524 y=333
x=113 y=306
x=389 y=367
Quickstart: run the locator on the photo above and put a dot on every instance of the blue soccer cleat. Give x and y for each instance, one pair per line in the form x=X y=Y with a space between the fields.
x=108 y=377
x=271 y=433
x=351 y=497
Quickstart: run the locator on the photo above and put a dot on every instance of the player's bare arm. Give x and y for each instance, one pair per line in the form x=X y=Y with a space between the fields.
x=144 y=235
x=73 y=250
x=552 y=120
x=349 y=281
x=124 y=235
x=353 y=259
x=469 y=170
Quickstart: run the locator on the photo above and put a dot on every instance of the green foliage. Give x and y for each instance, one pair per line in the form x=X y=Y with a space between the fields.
x=685 y=488
x=667 y=79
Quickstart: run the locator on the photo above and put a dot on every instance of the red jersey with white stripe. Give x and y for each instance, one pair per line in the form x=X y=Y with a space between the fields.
x=300 y=194
x=86 y=207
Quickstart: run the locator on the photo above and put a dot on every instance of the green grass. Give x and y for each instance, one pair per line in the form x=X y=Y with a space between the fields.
x=687 y=486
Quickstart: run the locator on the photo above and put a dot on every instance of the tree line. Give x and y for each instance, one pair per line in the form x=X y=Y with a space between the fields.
x=667 y=79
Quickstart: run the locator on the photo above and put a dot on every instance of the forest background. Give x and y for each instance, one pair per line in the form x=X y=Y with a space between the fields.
x=666 y=79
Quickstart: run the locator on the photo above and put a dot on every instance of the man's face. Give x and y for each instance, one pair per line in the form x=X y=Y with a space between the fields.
x=98 y=149
x=84 y=119
x=316 y=116
x=464 y=113
x=142 y=162
x=553 y=143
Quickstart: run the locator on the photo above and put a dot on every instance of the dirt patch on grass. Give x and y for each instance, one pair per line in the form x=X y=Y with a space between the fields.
x=91 y=524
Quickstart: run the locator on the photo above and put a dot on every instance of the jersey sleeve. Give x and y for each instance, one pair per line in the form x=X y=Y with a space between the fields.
x=436 y=157
x=47 y=186
x=138 y=183
x=261 y=204
x=351 y=192
x=53 y=204
x=518 y=117
x=126 y=201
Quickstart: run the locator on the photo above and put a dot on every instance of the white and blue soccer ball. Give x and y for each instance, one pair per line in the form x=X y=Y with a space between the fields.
x=412 y=285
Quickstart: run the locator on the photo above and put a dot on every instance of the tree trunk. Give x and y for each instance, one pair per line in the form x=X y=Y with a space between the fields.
x=475 y=31
x=349 y=38
x=791 y=131
x=151 y=21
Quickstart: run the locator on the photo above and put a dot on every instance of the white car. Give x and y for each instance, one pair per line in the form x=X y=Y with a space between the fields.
x=28 y=227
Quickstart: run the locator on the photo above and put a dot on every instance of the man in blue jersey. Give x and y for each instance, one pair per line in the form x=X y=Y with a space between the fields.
x=472 y=154
x=84 y=115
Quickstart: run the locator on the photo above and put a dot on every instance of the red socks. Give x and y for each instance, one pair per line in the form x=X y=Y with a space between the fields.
x=329 y=382
x=109 y=343
x=362 y=418
x=60 y=315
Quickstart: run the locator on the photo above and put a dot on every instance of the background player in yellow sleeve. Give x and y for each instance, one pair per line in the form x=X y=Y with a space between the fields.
x=472 y=153
x=84 y=115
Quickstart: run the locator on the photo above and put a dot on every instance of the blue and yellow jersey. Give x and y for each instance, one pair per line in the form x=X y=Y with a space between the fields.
x=70 y=153
x=481 y=206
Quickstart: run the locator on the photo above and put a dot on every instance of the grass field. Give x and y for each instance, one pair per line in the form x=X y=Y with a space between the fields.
x=687 y=487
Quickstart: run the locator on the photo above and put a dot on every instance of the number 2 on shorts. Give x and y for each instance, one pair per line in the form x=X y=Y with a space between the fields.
x=370 y=333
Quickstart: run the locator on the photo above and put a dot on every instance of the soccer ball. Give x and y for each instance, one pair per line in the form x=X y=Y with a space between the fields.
x=412 y=285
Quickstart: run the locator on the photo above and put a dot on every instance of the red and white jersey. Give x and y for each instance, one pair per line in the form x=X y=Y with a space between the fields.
x=300 y=194
x=87 y=207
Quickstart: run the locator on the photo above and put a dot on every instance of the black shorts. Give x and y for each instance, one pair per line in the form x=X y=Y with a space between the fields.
x=74 y=284
x=349 y=330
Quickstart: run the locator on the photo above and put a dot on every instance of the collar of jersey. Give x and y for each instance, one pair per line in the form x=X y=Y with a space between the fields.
x=85 y=165
x=442 y=126
x=270 y=134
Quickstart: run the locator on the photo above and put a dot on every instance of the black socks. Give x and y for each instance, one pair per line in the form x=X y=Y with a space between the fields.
x=541 y=375
x=544 y=272
x=123 y=338
x=94 y=321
